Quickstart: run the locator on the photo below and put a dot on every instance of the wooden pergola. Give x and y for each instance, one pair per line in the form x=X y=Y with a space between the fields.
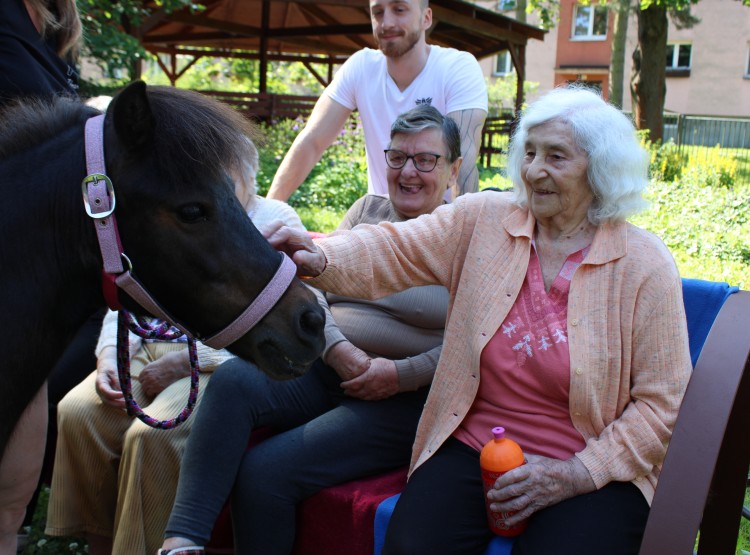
x=318 y=32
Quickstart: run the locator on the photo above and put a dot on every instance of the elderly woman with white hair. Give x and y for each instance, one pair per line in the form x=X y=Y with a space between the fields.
x=566 y=326
x=114 y=477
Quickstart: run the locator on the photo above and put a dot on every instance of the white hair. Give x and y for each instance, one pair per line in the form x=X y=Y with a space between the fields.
x=244 y=176
x=617 y=163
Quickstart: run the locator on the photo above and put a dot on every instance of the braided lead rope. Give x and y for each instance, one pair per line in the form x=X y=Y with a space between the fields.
x=151 y=330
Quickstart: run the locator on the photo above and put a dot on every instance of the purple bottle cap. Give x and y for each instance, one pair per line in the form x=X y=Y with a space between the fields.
x=498 y=432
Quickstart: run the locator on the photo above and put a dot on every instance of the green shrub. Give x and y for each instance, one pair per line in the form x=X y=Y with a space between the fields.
x=705 y=227
x=494 y=177
x=708 y=165
x=666 y=162
x=712 y=167
x=336 y=181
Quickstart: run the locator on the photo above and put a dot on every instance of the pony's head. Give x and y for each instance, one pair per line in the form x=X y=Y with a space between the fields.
x=170 y=154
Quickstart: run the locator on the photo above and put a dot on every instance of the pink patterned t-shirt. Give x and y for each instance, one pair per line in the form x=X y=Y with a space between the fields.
x=525 y=371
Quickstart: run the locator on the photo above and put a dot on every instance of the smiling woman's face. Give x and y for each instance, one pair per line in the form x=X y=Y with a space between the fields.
x=411 y=191
x=554 y=171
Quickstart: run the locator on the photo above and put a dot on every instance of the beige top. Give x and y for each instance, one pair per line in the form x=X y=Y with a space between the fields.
x=629 y=354
x=406 y=327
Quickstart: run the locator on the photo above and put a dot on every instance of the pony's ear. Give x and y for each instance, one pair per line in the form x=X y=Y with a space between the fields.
x=132 y=117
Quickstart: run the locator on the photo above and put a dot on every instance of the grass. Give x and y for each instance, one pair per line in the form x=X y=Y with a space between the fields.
x=39 y=543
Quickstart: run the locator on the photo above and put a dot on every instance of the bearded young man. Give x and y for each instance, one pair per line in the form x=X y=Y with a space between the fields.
x=405 y=71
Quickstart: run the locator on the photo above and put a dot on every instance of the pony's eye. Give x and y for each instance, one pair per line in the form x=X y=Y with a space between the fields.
x=191 y=213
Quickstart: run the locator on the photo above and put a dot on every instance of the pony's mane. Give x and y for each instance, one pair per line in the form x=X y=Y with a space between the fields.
x=195 y=134
x=28 y=122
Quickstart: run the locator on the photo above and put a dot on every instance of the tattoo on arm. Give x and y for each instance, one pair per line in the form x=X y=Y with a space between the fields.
x=470 y=124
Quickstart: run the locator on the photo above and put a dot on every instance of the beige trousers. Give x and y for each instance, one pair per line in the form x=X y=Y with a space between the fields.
x=115 y=476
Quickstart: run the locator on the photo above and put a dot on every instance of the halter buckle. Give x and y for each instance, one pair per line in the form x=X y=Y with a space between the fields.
x=94 y=178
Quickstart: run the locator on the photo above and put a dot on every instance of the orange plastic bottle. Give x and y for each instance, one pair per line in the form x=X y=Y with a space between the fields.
x=498 y=456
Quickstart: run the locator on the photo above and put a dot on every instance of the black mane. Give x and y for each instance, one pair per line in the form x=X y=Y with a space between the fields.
x=27 y=123
x=196 y=135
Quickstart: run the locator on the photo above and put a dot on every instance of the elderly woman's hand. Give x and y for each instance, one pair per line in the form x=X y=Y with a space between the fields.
x=380 y=381
x=347 y=360
x=107 y=381
x=308 y=257
x=158 y=375
x=539 y=483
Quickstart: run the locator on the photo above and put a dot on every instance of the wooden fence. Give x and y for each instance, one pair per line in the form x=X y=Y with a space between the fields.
x=272 y=107
x=267 y=107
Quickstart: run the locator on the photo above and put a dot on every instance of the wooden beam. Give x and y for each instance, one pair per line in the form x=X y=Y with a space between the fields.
x=315 y=74
x=184 y=38
x=200 y=20
x=166 y=71
x=264 y=17
x=478 y=27
x=322 y=31
x=218 y=53
x=315 y=11
x=187 y=67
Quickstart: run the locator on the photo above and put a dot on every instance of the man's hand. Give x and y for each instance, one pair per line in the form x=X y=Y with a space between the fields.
x=160 y=374
x=380 y=381
x=539 y=483
x=347 y=360
x=308 y=257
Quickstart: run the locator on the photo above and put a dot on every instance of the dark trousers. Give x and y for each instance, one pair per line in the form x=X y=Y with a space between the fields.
x=442 y=511
x=325 y=439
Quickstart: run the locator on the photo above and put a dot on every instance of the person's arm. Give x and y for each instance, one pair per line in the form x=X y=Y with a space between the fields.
x=325 y=122
x=385 y=377
x=470 y=124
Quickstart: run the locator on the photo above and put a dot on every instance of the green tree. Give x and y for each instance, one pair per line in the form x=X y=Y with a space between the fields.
x=108 y=28
x=501 y=93
x=648 y=82
x=621 y=12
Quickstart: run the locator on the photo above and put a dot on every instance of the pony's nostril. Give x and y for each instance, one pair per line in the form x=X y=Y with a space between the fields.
x=312 y=321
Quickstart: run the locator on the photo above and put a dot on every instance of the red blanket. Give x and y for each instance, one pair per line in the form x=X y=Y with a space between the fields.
x=335 y=521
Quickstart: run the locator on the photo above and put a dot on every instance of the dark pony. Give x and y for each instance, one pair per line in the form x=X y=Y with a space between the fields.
x=169 y=154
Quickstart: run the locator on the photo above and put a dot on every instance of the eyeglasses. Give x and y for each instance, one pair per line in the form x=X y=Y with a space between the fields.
x=423 y=161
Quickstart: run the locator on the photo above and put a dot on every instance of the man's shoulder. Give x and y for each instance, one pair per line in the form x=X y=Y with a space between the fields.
x=367 y=56
x=448 y=54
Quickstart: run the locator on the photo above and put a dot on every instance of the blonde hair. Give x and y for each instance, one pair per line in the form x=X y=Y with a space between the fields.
x=65 y=25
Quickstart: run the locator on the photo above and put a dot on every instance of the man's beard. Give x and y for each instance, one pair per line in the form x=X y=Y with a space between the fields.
x=398 y=49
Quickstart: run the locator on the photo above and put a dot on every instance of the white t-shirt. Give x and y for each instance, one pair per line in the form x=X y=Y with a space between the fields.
x=450 y=81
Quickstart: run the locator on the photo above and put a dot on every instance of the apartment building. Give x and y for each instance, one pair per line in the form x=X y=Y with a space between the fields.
x=708 y=65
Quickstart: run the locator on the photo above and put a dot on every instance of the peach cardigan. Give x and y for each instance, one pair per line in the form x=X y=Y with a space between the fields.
x=629 y=354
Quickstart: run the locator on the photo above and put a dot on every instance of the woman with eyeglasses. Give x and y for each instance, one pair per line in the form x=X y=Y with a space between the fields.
x=356 y=412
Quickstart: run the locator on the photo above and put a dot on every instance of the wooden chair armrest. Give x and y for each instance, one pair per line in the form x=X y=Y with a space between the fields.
x=702 y=482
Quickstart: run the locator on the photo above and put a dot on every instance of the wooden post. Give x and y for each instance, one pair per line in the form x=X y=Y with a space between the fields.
x=263 y=70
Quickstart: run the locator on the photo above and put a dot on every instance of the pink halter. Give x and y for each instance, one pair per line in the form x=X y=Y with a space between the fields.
x=99 y=202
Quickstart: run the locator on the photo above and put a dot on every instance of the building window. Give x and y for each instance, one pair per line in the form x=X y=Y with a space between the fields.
x=590 y=22
x=506 y=5
x=503 y=63
x=678 y=56
x=679 y=60
x=747 y=62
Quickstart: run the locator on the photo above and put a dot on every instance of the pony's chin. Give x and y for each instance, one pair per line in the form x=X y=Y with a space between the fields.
x=275 y=363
